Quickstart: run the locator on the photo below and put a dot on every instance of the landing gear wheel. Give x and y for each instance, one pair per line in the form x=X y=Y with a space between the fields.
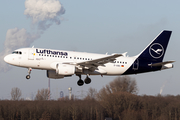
x=27 y=76
x=29 y=72
x=87 y=80
x=80 y=82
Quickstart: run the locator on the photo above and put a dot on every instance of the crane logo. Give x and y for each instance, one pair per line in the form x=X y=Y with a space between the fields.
x=156 y=50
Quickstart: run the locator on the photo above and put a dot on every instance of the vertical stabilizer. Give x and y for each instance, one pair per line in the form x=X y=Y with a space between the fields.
x=150 y=59
x=155 y=51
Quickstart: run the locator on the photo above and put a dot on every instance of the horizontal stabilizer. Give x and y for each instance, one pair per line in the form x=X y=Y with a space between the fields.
x=161 y=63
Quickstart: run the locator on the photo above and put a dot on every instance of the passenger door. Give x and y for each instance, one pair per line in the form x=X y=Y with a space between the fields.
x=136 y=64
x=31 y=54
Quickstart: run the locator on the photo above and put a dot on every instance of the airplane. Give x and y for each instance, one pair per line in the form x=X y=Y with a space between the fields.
x=60 y=63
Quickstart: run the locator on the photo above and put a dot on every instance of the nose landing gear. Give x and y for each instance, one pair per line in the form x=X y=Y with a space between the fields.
x=27 y=76
x=29 y=72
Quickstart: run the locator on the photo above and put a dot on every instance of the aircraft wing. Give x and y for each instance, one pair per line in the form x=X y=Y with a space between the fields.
x=98 y=62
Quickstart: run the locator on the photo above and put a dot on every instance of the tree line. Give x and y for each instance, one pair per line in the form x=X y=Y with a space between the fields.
x=117 y=100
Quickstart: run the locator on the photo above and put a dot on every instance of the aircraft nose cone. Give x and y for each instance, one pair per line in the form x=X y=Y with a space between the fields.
x=6 y=59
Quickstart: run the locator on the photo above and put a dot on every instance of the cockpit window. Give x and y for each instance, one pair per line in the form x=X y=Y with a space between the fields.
x=17 y=52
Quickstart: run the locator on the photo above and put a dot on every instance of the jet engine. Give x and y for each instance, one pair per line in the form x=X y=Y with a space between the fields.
x=61 y=71
x=52 y=74
x=65 y=69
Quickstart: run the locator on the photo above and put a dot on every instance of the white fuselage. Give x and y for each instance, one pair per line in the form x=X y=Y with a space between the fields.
x=38 y=58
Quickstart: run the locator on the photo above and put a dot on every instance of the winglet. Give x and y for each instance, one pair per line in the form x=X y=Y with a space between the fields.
x=125 y=54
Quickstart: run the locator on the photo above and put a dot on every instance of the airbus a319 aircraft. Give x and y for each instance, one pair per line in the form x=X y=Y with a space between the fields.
x=60 y=63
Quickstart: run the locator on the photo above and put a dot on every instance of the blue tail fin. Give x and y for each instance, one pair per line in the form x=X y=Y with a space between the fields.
x=155 y=51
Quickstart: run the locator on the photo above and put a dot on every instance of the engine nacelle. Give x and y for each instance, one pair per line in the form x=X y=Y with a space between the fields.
x=52 y=74
x=65 y=69
x=167 y=66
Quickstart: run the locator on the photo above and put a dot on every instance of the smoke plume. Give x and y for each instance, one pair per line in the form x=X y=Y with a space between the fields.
x=43 y=14
x=161 y=90
x=15 y=38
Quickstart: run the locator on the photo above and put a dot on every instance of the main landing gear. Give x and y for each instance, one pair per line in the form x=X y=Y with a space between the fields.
x=29 y=72
x=80 y=82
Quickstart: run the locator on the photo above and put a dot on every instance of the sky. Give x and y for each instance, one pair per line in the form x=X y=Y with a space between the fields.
x=87 y=26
